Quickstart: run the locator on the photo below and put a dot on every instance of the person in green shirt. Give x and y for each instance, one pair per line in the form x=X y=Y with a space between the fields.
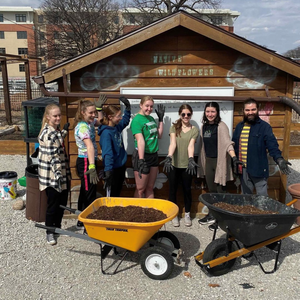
x=179 y=163
x=145 y=157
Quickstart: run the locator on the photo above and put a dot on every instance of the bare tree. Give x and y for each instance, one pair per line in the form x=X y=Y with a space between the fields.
x=144 y=12
x=294 y=53
x=73 y=27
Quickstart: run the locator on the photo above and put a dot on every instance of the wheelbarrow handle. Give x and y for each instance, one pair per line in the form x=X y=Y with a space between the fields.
x=72 y=210
x=291 y=202
x=50 y=228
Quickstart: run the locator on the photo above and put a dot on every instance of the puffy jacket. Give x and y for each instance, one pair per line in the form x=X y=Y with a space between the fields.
x=261 y=139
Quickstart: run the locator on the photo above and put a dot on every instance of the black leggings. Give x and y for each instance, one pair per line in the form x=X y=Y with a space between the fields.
x=176 y=176
x=54 y=213
x=210 y=172
x=117 y=181
x=88 y=190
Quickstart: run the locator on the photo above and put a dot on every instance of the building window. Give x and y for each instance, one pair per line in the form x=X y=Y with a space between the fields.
x=22 y=51
x=217 y=20
x=42 y=36
x=1 y=34
x=43 y=67
x=20 y=18
x=40 y=18
x=2 y=50
x=21 y=35
x=22 y=68
x=1 y=17
x=132 y=19
x=116 y=20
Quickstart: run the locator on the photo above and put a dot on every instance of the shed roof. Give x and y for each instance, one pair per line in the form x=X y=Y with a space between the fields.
x=162 y=25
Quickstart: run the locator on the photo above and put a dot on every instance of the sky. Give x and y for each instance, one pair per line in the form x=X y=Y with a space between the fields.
x=270 y=23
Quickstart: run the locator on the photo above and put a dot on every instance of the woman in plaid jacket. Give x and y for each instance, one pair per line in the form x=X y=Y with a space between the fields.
x=54 y=172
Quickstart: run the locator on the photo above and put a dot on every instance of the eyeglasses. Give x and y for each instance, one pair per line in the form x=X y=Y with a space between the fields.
x=188 y=114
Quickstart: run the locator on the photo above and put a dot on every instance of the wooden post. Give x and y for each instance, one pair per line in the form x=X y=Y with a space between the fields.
x=6 y=92
x=28 y=85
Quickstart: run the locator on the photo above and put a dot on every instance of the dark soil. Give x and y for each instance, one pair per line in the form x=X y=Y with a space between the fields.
x=245 y=209
x=129 y=213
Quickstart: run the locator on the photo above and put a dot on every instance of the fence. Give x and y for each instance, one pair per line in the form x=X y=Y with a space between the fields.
x=17 y=97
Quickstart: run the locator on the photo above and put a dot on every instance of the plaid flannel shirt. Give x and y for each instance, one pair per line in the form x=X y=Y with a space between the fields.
x=54 y=168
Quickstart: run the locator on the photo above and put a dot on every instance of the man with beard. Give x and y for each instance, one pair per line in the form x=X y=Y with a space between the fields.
x=253 y=139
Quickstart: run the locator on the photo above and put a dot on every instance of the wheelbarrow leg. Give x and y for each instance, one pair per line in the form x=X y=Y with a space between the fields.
x=104 y=251
x=278 y=246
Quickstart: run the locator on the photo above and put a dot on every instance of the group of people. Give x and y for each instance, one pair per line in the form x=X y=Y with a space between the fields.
x=220 y=157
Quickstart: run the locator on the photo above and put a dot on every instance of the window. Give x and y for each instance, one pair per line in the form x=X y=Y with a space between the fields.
x=1 y=17
x=2 y=50
x=43 y=67
x=22 y=51
x=41 y=19
x=42 y=52
x=21 y=35
x=22 y=68
x=132 y=19
x=20 y=18
x=217 y=20
x=42 y=36
x=116 y=20
x=2 y=35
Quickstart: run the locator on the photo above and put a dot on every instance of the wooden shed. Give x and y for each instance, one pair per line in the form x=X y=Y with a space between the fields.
x=178 y=53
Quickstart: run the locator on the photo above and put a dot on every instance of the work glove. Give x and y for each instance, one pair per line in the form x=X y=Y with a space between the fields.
x=235 y=165
x=167 y=164
x=191 y=170
x=101 y=100
x=126 y=103
x=160 y=112
x=141 y=165
x=93 y=174
x=283 y=166
x=108 y=177
x=66 y=127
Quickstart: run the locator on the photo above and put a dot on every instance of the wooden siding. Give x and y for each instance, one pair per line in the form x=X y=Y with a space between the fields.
x=182 y=58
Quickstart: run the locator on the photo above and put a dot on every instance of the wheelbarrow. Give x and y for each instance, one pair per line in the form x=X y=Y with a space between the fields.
x=157 y=261
x=253 y=231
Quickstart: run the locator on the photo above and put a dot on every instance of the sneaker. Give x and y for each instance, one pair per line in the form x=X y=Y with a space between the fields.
x=187 y=220
x=175 y=222
x=213 y=227
x=50 y=239
x=79 y=225
x=208 y=219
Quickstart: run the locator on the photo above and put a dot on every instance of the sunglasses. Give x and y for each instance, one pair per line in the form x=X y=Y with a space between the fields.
x=188 y=114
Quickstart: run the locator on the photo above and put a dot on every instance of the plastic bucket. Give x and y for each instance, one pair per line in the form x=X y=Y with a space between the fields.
x=8 y=185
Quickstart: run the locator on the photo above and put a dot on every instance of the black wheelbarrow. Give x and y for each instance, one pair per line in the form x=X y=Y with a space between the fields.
x=253 y=231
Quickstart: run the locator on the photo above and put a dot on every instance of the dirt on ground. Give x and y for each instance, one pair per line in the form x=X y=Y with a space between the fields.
x=243 y=209
x=129 y=213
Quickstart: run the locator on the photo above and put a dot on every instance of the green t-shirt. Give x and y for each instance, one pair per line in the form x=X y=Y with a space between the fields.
x=181 y=157
x=147 y=126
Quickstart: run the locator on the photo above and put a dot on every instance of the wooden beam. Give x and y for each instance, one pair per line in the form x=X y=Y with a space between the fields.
x=112 y=48
x=241 y=45
x=28 y=84
x=6 y=92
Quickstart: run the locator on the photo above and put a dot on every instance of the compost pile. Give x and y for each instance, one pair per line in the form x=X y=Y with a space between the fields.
x=129 y=213
x=243 y=209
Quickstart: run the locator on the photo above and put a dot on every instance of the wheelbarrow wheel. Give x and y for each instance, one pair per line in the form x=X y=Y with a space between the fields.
x=157 y=263
x=166 y=238
x=215 y=249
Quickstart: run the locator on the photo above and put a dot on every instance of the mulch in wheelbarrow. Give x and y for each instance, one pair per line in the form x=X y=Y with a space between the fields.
x=243 y=209
x=129 y=213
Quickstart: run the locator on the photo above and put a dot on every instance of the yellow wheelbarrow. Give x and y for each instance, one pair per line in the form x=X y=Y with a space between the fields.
x=157 y=261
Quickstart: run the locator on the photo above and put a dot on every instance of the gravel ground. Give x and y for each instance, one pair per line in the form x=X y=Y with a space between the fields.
x=31 y=269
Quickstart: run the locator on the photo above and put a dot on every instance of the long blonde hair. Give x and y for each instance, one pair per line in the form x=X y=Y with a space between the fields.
x=48 y=108
x=110 y=110
x=82 y=106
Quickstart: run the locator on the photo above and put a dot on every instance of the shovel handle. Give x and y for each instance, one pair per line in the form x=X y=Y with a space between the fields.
x=50 y=228
x=291 y=202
